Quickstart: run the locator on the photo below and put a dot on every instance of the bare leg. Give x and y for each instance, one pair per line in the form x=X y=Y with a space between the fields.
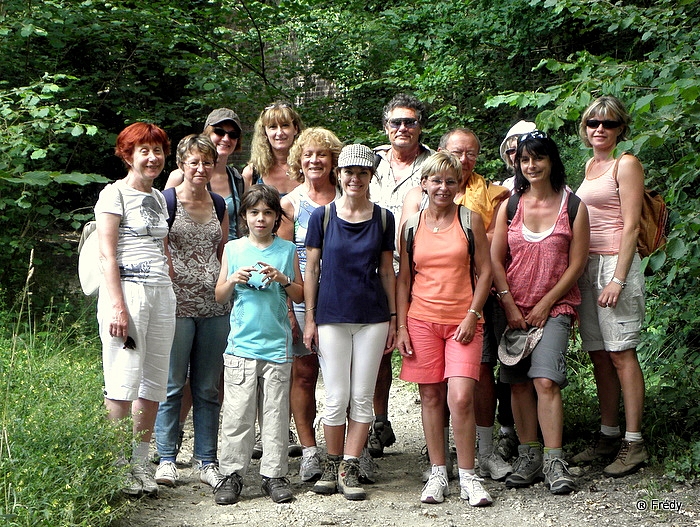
x=357 y=436
x=303 y=397
x=432 y=397
x=460 y=399
x=631 y=381
x=381 y=390
x=485 y=396
x=608 y=386
x=525 y=411
x=550 y=411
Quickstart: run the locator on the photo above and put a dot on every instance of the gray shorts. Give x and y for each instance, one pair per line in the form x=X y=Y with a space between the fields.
x=607 y=328
x=495 y=324
x=548 y=359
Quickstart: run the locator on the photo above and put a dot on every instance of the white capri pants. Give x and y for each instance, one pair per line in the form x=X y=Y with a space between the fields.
x=349 y=356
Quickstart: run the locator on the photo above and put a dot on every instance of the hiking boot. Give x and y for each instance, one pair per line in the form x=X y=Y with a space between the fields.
x=166 y=473
x=278 y=489
x=348 y=480
x=310 y=465
x=367 y=467
x=144 y=476
x=527 y=468
x=228 y=489
x=507 y=445
x=294 y=449
x=472 y=490
x=494 y=467
x=435 y=488
x=602 y=447
x=328 y=483
x=381 y=435
x=557 y=477
x=631 y=457
x=210 y=474
x=132 y=486
x=257 y=448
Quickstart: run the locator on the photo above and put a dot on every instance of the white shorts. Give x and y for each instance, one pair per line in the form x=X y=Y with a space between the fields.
x=142 y=372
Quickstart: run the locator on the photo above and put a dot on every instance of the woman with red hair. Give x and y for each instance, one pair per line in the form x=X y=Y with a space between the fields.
x=136 y=304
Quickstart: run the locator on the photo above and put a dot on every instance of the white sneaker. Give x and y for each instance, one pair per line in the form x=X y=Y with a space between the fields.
x=474 y=492
x=310 y=465
x=166 y=473
x=494 y=467
x=144 y=476
x=210 y=475
x=436 y=488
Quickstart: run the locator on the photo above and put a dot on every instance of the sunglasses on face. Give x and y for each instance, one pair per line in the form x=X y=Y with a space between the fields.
x=511 y=151
x=607 y=123
x=408 y=122
x=535 y=134
x=232 y=134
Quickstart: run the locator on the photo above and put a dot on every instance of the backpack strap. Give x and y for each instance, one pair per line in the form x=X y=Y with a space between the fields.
x=219 y=205
x=171 y=202
x=465 y=220
x=571 y=208
x=512 y=206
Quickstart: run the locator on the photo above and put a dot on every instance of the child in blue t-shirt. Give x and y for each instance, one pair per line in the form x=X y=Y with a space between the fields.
x=259 y=270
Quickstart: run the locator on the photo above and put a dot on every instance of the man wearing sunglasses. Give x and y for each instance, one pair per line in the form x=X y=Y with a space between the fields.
x=398 y=166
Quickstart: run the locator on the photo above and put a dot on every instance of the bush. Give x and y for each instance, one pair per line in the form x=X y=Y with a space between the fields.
x=57 y=453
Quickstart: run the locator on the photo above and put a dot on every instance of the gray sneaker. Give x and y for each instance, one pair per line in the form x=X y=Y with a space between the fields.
x=349 y=480
x=494 y=467
x=328 y=484
x=527 y=468
x=557 y=477
x=144 y=476
x=367 y=467
x=310 y=465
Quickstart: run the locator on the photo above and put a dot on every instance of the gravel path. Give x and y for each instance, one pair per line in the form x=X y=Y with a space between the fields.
x=643 y=499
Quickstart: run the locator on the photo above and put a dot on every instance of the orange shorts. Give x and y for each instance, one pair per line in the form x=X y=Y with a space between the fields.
x=437 y=357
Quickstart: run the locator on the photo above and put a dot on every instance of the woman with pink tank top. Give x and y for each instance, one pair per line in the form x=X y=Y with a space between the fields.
x=612 y=287
x=537 y=256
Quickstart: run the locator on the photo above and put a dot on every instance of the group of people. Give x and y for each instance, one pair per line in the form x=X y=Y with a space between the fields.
x=241 y=287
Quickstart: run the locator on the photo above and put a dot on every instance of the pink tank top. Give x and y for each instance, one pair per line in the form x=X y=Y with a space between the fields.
x=534 y=268
x=442 y=290
x=603 y=201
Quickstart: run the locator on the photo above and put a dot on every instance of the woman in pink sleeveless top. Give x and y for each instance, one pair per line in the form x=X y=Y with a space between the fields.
x=612 y=287
x=537 y=259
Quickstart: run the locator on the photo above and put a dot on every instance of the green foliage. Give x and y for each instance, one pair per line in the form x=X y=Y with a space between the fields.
x=57 y=452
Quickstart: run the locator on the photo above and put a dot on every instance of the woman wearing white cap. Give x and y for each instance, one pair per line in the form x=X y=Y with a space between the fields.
x=350 y=314
x=509 y=147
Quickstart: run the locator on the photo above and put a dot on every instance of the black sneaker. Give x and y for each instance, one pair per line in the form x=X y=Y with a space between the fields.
x=278 y=489
x=381 y=435
x=228 y=490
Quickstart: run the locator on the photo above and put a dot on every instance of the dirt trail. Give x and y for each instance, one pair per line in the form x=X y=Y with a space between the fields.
x=643 y=499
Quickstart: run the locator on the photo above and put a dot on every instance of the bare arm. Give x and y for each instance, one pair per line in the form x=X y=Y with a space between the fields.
x=175 y=178
x=108 y=236
x=311 y=276
x=403 y=291
x=411 y=205
x=286 y=228
x=388 y=278
x=499 y=249
x=247 y=176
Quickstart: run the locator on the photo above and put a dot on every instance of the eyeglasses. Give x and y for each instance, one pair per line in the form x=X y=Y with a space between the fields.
x=439 y=182
x=195 y=164
x=607 y=123
x=408 y=122
x=470 y=155
x=511 y=151
x=535 y=134
x=233 y=134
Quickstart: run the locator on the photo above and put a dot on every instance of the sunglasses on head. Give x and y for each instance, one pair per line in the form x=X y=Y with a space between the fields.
x=535 y=134
x=408 y=122
x=607 y=123
x=233 y=134
x=270 y=107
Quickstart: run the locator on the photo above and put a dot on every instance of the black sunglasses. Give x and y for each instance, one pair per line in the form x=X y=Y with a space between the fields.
x=511 y=151
x=535 y=134
x=607 y=123
x=233 y=134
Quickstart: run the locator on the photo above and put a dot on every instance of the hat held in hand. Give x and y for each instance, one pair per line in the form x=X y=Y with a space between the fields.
x=516 y=344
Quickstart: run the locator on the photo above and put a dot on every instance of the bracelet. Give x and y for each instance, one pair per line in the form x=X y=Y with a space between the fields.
x=289 y=282
x=310 y=309
x=501 y=294
x=475 y=312
x=619 y=282
x=403 y=326
x=392 y=314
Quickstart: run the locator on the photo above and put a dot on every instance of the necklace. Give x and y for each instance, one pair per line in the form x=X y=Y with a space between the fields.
x=391 y=167
x=434 y=220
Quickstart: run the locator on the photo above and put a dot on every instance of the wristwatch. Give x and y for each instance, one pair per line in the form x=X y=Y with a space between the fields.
x=289 y=282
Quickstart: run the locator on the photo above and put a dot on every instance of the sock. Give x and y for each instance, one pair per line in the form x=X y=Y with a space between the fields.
x=465 y=473
x=139 y=454
x=534 y=444
x=441 y=469
x=309 y=450
x=610 y=430
x=485 y=435
x=633 y=436
x=348 y=456
x=552 y=453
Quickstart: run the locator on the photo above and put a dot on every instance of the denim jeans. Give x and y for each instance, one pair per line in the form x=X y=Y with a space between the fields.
x=199 y=345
